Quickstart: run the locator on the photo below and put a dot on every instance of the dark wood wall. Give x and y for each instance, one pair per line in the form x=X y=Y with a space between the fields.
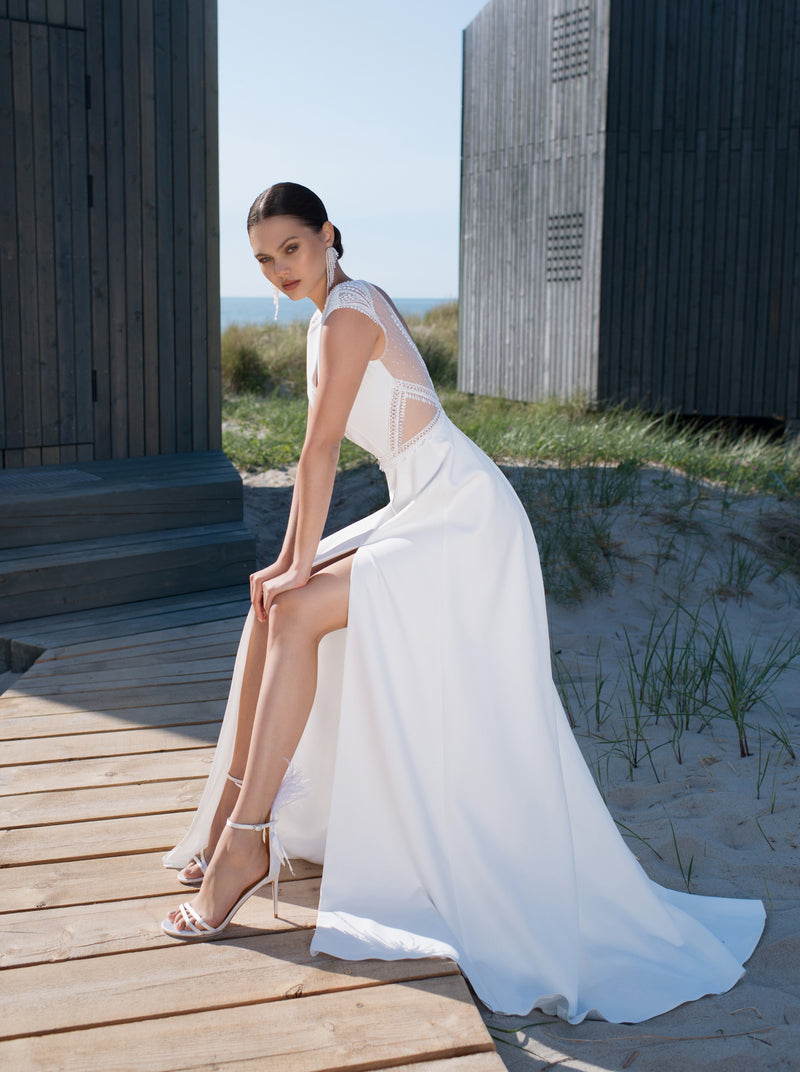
x=109 y=235
x=630 y=223
x=701 y=238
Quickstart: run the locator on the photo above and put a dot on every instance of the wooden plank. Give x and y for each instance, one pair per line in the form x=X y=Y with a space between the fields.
x=212 y=282
x=77 y=931
x=429 y=1018
x=26 y=252
x=210 y=660
x=75 y=13
x=81 y=231
x=116 y=226
x=91 y=745
x=92 y=675
x=105 y=771
x=38 y=809
x=132 y=263
x=169 y=561
x=165 y=195
x=99 y=236
x=58 y=719
x=69 y=883
x=198 y=245
x=76 y=627
x=47 y=366
x=217 y=649
x=476 y=1062
x=149 y=234
x=11 y=432
x=57 y=12
x=181 y=216
x=61 y=360
x=123 y=988
x=95 y=838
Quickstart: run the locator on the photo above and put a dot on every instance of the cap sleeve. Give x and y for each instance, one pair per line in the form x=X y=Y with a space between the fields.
x=352 y=294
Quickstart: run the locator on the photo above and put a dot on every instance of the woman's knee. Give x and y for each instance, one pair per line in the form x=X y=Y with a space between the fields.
x=290 y=615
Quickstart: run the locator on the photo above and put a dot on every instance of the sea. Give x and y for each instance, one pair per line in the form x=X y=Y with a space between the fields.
x=262 y=310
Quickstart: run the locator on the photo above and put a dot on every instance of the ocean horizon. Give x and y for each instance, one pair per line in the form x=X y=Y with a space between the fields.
x=262 y=310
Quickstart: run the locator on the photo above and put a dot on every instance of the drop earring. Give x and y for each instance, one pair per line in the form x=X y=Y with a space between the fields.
x=276 y=295
x=331 y=257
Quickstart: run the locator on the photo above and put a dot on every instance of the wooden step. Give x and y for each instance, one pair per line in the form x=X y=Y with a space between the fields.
x=63 y=503
x=47 y=579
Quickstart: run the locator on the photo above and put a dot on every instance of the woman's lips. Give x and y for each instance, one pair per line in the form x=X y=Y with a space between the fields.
x=291 y=284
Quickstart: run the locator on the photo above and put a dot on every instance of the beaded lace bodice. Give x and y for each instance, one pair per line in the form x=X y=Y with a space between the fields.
x=396 y=405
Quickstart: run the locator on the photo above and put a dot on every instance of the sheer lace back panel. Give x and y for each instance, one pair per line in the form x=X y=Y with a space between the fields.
x=413 y=406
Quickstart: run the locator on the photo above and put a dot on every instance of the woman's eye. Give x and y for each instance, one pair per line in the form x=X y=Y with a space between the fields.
x=291 y=249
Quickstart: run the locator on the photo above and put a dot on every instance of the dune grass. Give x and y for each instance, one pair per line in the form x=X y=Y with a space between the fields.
x=263 y=369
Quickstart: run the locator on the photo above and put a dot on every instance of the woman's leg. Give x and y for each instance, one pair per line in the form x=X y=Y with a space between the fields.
x=248 y=698
x=297 y=622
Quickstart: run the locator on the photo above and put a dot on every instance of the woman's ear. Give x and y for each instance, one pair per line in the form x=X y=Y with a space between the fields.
x=327 y=233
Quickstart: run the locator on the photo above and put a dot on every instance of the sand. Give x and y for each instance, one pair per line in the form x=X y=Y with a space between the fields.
x=693 y=810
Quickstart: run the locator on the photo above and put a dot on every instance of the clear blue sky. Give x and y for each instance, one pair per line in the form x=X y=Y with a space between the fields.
x=361 y=101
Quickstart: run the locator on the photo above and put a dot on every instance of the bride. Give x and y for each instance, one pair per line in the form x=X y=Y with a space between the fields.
x=403 y=665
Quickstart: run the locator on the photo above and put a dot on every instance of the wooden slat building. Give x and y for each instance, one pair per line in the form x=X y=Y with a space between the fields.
x=630 y=203
x=109 y=260
x=112 y=482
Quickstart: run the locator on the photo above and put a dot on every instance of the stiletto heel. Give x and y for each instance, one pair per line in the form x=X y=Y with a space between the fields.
x=200 y=858
x=196 y=927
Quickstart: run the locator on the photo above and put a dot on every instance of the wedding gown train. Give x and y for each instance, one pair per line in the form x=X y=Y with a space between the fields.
x=448 y=796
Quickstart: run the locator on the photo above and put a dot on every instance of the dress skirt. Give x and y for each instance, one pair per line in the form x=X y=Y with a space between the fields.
x=448 y=798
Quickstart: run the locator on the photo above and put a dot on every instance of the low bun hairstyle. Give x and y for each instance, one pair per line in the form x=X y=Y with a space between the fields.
x=291 y=199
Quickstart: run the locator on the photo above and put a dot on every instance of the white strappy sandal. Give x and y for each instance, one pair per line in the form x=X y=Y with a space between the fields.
x=200 y=858
x=292 y=787
x=196 y=928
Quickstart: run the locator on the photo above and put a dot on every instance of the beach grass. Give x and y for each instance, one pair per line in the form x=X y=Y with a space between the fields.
x=263 y=368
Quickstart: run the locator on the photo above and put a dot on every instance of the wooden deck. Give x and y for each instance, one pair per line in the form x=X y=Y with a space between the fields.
x=107 y=739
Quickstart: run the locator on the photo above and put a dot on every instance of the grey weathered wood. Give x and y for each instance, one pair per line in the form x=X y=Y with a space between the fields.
x=112 y=498
x=677 y=142
x=94 y=573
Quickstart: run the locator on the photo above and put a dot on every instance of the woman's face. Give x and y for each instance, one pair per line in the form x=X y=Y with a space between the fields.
x=292 y=256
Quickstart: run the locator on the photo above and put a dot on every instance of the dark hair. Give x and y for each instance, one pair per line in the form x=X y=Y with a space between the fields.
x=291 y=199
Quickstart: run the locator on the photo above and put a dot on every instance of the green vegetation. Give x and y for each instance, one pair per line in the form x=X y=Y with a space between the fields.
x=263 y=369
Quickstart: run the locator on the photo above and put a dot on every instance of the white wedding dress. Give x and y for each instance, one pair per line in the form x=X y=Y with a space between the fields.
x=448 y=797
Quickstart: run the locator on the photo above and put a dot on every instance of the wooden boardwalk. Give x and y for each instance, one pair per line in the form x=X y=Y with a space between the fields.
x=106 y=741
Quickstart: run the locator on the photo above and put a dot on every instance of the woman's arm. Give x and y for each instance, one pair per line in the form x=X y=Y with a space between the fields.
x=284 y=559
x=348 y=340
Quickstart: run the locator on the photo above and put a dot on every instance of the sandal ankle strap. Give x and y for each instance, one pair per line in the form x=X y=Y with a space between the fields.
x=251 y=825
x=262 y=827
x=236 y=781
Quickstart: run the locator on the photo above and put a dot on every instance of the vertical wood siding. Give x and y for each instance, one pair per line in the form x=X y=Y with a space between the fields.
x=109 y=235
x=701 y=258
x=680 y=148
x=533 y=148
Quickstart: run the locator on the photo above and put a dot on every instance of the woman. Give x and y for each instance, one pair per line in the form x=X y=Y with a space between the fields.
x=404 y=662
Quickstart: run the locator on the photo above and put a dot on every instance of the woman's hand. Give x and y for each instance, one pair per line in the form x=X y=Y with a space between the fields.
x=268 y=583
